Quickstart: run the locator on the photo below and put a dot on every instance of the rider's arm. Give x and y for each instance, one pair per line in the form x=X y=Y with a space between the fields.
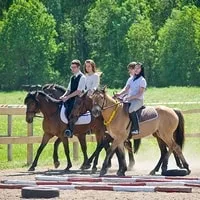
x=137 y=96
x=80 y=88
x=124 y=91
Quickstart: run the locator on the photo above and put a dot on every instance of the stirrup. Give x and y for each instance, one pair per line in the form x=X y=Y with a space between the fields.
x=68 y=133
x=134 y=132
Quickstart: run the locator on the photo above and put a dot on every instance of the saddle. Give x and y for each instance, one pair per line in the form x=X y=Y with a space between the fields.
x=144 y=113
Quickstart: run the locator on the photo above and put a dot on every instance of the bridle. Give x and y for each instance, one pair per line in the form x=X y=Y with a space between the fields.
x=34 y=112
x=103 y=107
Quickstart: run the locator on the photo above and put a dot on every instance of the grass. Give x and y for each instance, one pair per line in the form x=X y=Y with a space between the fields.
x=152 y=95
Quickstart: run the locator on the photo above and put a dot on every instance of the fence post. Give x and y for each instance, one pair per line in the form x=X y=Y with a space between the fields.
x=9 y=147
x=29 y=146
x=75 y=151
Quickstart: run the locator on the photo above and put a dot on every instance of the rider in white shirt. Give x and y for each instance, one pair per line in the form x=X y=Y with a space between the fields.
x=76 y=85
x=134 y=89
x=92 y=77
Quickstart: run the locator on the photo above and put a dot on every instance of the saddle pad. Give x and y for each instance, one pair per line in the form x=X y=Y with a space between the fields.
x=146 y=114
x=83 y=119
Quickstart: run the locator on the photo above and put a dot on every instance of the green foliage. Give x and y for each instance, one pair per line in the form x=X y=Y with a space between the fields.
x=178 y=48
x=112 y=32
x=28 y=45
x=141 y=44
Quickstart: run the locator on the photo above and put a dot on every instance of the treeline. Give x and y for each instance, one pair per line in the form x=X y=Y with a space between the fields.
x=39 y=38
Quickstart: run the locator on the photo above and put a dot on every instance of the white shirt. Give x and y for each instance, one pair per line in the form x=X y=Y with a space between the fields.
x=135 y=86
x=81 y=84
x=92 y=81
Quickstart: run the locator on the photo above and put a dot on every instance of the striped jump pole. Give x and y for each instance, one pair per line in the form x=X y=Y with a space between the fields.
x=109 y=188
x=115 y=179
x=169 y=183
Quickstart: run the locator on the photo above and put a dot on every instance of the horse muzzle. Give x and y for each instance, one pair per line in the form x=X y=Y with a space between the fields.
x=29 y=118
x=96 y=111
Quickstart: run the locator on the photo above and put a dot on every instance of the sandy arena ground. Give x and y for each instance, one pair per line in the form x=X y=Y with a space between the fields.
x=8 y=194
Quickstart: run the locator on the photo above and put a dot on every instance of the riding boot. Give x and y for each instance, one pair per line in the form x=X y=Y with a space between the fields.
x=69 y=132
x=135 y=123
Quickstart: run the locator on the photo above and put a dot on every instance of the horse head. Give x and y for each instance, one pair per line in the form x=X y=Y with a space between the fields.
x=32 y=106
x=82 y=104
x=98 y=100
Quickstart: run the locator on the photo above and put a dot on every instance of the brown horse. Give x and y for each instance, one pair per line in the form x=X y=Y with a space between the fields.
x=84 y=104
x=163 y=127
x=39 y=101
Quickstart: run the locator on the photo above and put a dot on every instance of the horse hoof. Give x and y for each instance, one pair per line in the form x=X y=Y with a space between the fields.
x=83 y=167
x=120 y=173
x=68 y=167
x=94 y=170
x=31 y=169
x=56 y=164
x=176 y=172
x=152 y=172
x=103 y=172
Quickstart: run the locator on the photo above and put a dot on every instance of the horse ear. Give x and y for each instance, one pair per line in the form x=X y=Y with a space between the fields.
x=104 y=88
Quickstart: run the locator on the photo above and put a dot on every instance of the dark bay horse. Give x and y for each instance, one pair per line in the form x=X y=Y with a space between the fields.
x=39 y=101
x=163 y=127
x=85 y=104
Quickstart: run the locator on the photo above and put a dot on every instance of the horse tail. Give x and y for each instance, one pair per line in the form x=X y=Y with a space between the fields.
x=137 y=143
x=179 y=133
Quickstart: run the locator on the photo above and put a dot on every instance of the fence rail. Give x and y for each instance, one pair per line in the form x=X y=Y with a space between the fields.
x=30 y=139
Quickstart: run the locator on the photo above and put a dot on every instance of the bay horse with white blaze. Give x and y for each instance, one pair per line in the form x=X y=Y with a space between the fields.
x=162 y=127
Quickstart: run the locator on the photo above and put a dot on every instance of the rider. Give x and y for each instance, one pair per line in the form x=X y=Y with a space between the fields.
x=134 y=89
x=75 y=87
x=92 y=83
x=92 y=77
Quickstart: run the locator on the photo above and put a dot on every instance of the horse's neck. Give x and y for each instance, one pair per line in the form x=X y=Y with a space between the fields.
x=88 y=104
x=109 y=107
x=47 y=108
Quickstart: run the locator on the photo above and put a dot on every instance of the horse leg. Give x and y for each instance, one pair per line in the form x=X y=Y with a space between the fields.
x=55 y=153
x=109 y=154
x=128 y=146
x=82 y=140
x=67 y=153
x=45 y=140
x=95 y=156
x=163 y=151
x=178 y=162
x=121 y=160
x=173 y=146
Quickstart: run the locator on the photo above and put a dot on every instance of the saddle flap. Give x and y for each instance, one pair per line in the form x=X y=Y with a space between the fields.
x=83 y=119
x=146 y=113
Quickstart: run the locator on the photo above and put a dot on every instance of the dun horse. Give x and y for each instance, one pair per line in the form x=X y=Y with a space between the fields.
x=163 y=127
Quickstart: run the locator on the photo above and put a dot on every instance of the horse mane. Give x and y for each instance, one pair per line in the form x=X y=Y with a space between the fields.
x=32 y=95
x=56 y=86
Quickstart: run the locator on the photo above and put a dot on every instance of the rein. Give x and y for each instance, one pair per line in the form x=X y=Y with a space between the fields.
x=117 y=104
x=112 y=115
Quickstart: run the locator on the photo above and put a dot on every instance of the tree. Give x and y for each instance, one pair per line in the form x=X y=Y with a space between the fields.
x=107 y=24
x=27 y=45
x=141 y=45
x=179 y=47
